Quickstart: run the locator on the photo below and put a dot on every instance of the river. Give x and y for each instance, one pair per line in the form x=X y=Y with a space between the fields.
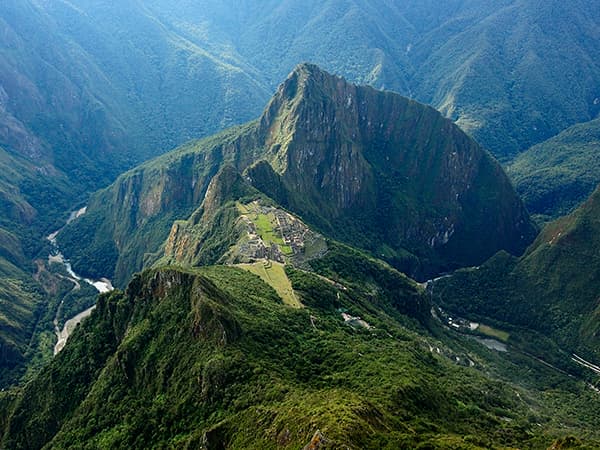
x=102 y=285
x=492 y=344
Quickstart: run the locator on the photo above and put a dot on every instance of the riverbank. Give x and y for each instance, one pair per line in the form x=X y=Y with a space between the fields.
x=102 y=285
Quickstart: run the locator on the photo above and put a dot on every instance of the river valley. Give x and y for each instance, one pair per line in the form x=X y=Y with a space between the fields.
x=102 y=285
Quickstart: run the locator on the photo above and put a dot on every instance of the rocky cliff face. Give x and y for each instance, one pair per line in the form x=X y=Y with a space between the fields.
x=370 y=168
x=135 y=214
x=214 y=227
x=552 y=288
x=413 y=179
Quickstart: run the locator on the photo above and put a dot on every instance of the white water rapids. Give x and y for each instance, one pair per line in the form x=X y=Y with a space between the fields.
x=102 y=285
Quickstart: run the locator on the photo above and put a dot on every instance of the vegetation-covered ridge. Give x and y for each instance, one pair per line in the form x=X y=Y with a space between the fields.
x=556 y=176
x=213 y=357
x=553 y=289
x=366 y=167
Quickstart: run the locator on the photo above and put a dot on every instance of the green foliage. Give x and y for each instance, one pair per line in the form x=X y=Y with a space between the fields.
x=21 y=300
x=72 y=378
x=100 y=255
x=354 y=268
x=557 y=175
x=552 y=289
x=184 y=358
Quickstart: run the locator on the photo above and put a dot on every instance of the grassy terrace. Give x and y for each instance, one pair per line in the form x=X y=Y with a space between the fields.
x=265 y=226
x=274 y=275
x=493 y=333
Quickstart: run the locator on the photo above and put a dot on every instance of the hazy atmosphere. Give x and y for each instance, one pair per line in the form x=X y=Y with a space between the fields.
x=265 y=224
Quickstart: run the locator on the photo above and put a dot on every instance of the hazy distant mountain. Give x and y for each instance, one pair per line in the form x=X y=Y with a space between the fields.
x=88 y=83
x=91 y=88
x=513 y=73
x=557 y=175
x=516 y=75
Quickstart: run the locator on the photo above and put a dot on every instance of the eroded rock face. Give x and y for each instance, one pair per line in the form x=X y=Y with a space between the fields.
x=317 y=442
x=364 y=162
x=366 y=167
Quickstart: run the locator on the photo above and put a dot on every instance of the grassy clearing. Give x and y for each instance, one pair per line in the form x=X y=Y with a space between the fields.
x=265 y=227
x=243 y=209
x=493 y=332
x=273 y=273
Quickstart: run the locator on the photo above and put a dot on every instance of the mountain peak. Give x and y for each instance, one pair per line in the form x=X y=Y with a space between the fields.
x=306 y=81
x=307 y=68
x=309 y=72
x=370 y=168
x=341 y=149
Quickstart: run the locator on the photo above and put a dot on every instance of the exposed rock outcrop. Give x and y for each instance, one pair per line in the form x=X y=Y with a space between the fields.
x=366 y=167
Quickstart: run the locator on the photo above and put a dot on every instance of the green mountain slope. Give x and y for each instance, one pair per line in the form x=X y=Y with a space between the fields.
x=57 y=105
x=21 y=300
x=520 y=74
x=213 y=358
x=556 y=176
x=552 y=289
x=513 y=73
x=30 y=203
x=32 y=200
x=91 y=90
x=369 y=168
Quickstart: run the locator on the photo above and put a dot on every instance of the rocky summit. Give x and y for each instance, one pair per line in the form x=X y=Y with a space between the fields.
x=366 y=167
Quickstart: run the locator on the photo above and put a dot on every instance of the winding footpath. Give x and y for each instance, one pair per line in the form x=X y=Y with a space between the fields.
x=582 y=362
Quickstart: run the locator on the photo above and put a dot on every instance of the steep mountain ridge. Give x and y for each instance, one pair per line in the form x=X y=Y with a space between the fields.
x=345 y=152
x=366 y=167
x=552 y=288
x=556 y=176
x=127 y=223
x=213 y=358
